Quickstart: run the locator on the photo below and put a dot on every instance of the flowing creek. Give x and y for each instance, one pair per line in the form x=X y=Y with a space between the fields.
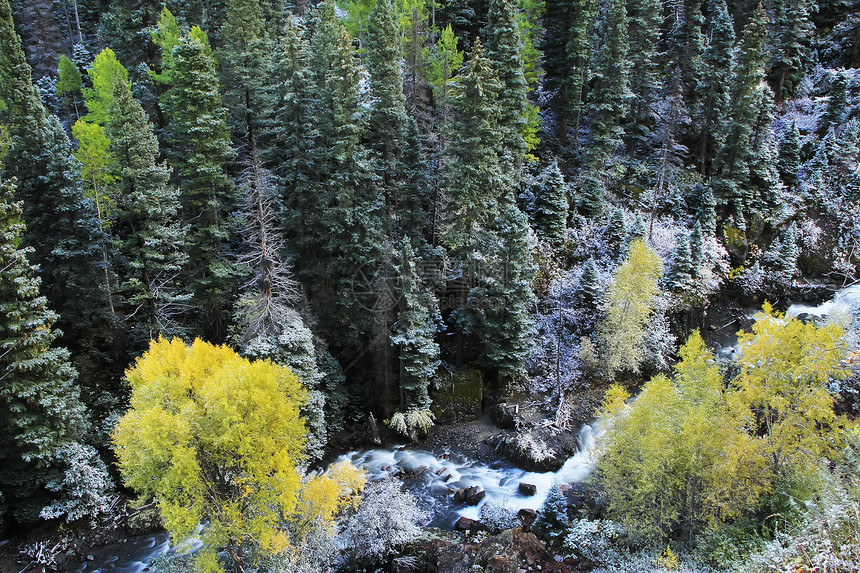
x=420 y=471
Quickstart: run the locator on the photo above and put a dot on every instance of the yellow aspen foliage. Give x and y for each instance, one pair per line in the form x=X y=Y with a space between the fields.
x=323 y=496
x=785 y=368
x=629 y=304
x=215 y=439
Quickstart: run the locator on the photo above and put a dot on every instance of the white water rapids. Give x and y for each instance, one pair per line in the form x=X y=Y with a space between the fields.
x=433 y=486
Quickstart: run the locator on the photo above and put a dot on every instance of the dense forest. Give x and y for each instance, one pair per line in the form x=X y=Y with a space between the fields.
x=235 y=235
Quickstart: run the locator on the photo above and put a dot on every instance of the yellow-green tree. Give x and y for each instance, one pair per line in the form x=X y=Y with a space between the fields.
x=678 y=459
x=629 y=304
x=785 y=368
x=216 y=438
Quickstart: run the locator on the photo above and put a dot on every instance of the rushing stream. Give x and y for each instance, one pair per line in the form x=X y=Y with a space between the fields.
x=420 y=470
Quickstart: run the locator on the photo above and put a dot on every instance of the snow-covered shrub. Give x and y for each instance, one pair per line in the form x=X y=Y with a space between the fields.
x=530 y=447
x=658 y=344
x=498 y=516
x=387 y=518
x=85 y=488
x=595 y=541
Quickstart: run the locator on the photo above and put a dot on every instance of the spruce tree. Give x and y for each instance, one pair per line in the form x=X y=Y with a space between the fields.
x=731 y=164
x=413 y=336
x=504 y=49
x=149 y=240
x=705 y=208
x=591 y=195
x=550 y=205
x=837 y=102
x=610 y=98
x=505 y=322
x=697 y=250
x=199 y=144
x=788 y=161
x=680 y=277
x=566 y=51
x=40 y=409
x=61 y=223
x=792 y=38
x=475 y=182
x=765 y=185
x=644 y=20
x=391 y=135
x=615 y=232
x=588 y=290
x=712 y=93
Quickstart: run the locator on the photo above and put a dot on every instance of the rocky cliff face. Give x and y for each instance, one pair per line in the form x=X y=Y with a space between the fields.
x=46 y=32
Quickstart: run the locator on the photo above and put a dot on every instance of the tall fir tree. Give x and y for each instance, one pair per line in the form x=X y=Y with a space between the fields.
x=731 y=164
x=609 y=100
x=41 y=415
x=504 y=48
x=644 y=20
x=792 y=46
x=550 y=205
x=61 y=223
x=199 y=144
x=788 y=161
x=391 y=135
x=837 y=102
x=566 y=60
x=149 y=239
x=712 y=95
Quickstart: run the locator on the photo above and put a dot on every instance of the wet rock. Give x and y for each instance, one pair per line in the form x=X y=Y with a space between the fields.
x=469 y=495
x=467 y=524
x=441 y=470
x=504 y=415
x=527 y=517
x=528 y=489
x=539 y=449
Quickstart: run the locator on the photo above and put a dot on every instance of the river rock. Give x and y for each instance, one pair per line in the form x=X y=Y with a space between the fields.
x=527 y=517
x=469 y=495
x=539 y=449
x=504 y=415
x=528 y=489
x=467 y=524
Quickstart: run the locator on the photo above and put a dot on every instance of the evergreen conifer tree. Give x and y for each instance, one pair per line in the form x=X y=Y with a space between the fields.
x=61 y=223
x=149 y=240
x=550 y=205
x=644 y=20
x=615 y=231
x=588 y=290
x=680 y=277
x=504 y=49
x=731 y=164
x=199 y=144
x=610 y=98
x=697 y=249
x=41 y=415
x=712 y=93
x=413 y=336
x=792 y=39
x=591 y=192
x=837 y=101
x=788 y=161
x=566 y=62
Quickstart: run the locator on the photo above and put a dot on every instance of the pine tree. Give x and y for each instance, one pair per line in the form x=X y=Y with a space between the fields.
x=788 y=161
x=41 y=414
x=199 y=144
x=712 y=93
x=391 y=135
x=148 y=239
x=764 y=185
x=245 y=55
x=680 y=277
x=504 y=48
x=705 y=208
x=566 y=50
x=61 y=224
x=609 y=99
x=550 y=205
x=788 y=253
x=588 y=290
x=413 y=336
x=731 y=164
x=591 y=192
x=505 y=323
x=637 y=231
x=475 y=182
x=837 y=102
x=644 y=20
x=697 y=250
x=686 y=46
x=615 y=232
x=792 y=39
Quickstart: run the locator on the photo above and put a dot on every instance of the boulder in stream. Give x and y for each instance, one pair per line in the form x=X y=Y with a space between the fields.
x=504 y=415
x=528 y=489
